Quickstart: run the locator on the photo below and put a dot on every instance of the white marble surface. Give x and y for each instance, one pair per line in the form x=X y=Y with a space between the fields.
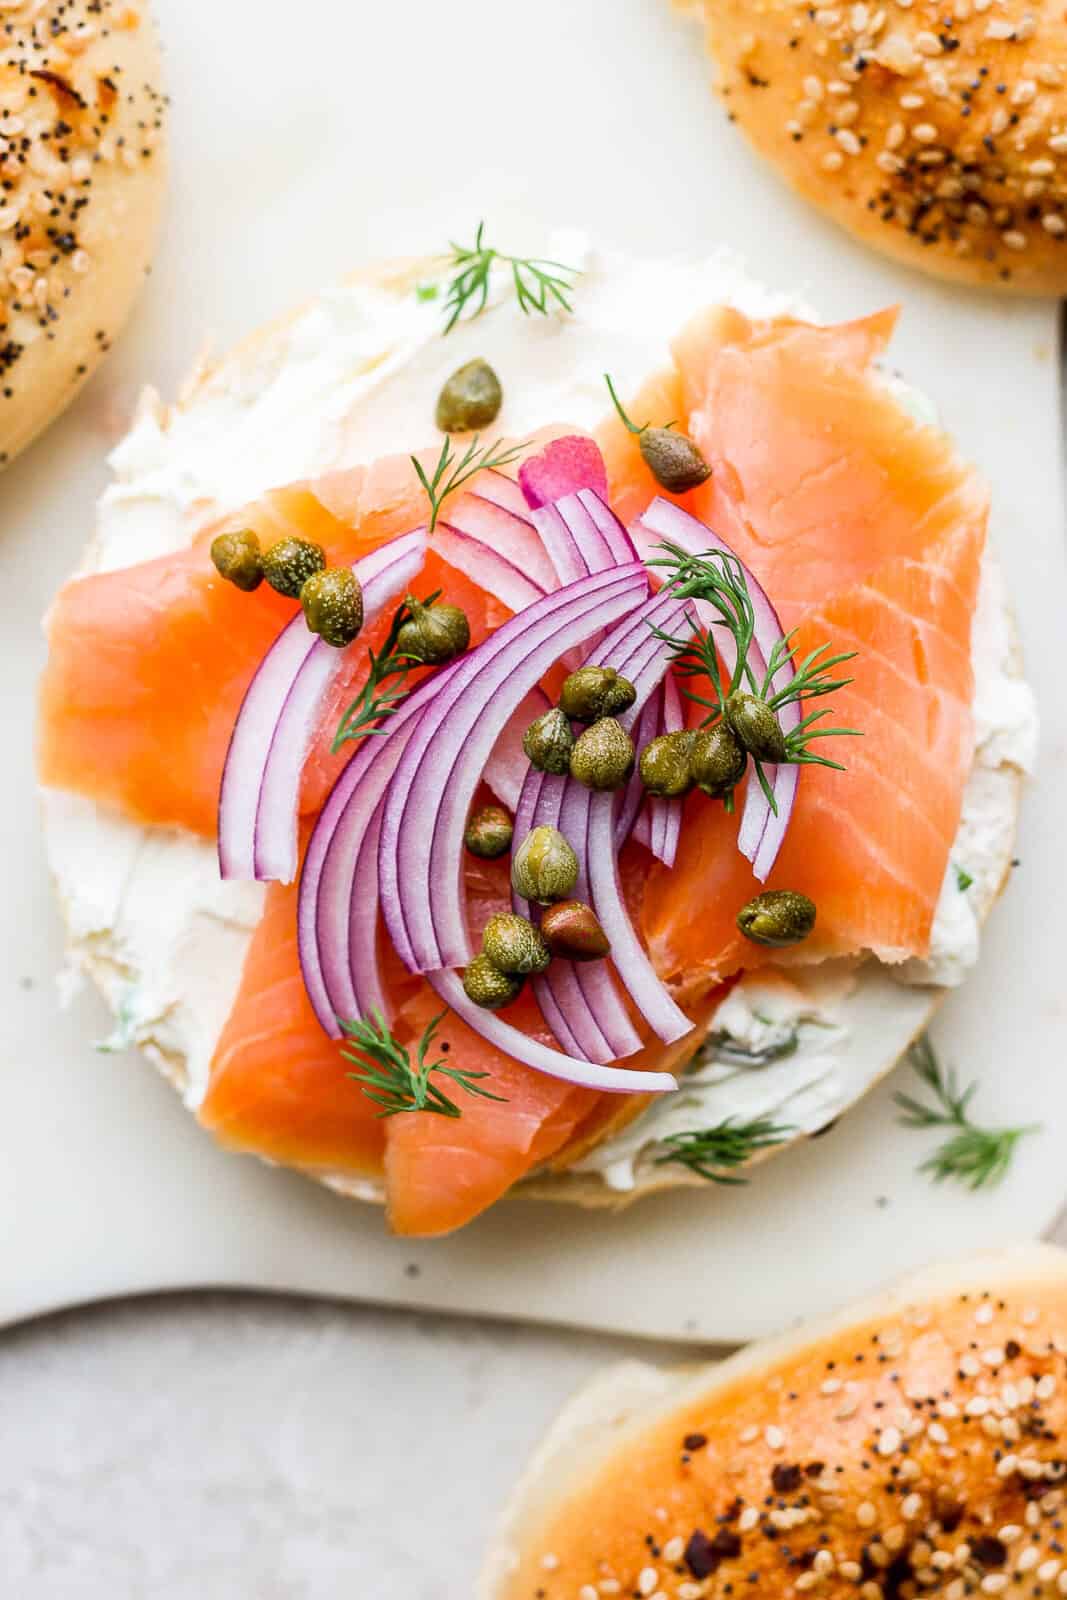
x=216 y=1447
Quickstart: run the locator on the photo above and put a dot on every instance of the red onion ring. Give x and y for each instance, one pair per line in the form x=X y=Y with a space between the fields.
x=260 y=790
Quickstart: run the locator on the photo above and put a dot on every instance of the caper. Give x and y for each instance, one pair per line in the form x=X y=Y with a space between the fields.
x=238 y=559
x=603 y=757
x=544 y=867
x=488 y=987
x=489 y=833
x=779 y=917
x=433 y=634
x=470 y=399
x=673 y=460
x=754 y=724
x=717 y=761
x=514 y=945
x=571 y=930
x=289 y=564
x=548 y=743
x=594 y=692
x=333 y=605
x=664 y=764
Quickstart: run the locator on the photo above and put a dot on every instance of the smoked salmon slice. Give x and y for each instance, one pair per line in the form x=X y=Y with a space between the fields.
x=866 y=531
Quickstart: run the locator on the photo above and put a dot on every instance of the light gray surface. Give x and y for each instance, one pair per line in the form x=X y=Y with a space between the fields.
x=220 y=1447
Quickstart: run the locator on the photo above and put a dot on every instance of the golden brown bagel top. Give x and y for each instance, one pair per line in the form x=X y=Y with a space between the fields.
x=920 y=1453
x=934 y=129
x=80 y=131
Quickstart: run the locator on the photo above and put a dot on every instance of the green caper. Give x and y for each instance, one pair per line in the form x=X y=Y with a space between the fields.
x=717 y=761
x=673 y=460
x=603 y=757
x=664 y=764
x=333 y=605
x=471 y=399
x=594 y=692
x=754 y=725
x=289 y=564
x=433 y=634
x=544 y=867
x=489 y=833
x=488 y=987
x=238 y=559
x=548 y=743
x=514 y=945
x=778 y=918
x=571 y=930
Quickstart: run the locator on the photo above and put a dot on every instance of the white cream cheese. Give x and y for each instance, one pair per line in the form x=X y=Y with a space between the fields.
x=353 y=378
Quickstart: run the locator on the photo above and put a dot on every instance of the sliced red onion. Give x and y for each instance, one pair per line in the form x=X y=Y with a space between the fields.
x=337 y=917
x=493 y=531
x=582 y=535
x=506 y=769
x=260 y=791
x=500 y=1034
x=665 y=816
x=426 y=811
x=504 y=492
x=562 y=468
x=647 y=727
x=572 y=995
x=763 y=827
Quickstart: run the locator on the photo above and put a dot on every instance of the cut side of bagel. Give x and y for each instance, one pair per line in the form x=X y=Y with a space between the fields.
x=909 y=1443
x=356 y=371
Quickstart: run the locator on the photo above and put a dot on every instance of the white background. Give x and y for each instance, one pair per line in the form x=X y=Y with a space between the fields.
x=216 y=1449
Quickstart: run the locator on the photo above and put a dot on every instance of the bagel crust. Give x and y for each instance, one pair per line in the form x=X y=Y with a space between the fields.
x=912 y=1446
x=81 y=171
x=935 y=131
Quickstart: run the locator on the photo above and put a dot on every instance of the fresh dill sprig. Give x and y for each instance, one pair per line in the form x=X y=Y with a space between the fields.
x=538 y=284
x=715 y=1153
x=449 y=474
x=964 y=879
x=718 y=578
x=390 y=1078
x=374 y=705
x=977 y=1157
x=724 y=1047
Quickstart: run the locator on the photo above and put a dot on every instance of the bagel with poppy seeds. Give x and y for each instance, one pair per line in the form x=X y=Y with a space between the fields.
x=820 y=1036
x=82 y=173
x=935 y=131
x=911 y=1445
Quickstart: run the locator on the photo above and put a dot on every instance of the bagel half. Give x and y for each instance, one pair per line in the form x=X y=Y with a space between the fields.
x=169 y=962
x=82 y=164
x=935 y=132
x=911 y=1445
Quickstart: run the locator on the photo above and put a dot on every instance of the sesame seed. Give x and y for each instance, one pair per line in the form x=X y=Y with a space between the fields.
x=995 y=1583
x=587 y=1592
x=911 y=1507
x=993 y=1357
x=823 y=1562
x=866 y=1515
x=1048 y=1571
x=924 y=132
x=549 y=1561
x=850 y=1570
x=773 y=1437
x=831 y=1385
x=1006 y=1466
x=1028 y=1560
x=689 y=1591
x=647 y=1580
x=674 y=1549
x=970 y=1366
x=833 y=161
x=747 y=1435
x=848 y=141
x=748 y=1519
x=1054 y=224
x=1046 y=1387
